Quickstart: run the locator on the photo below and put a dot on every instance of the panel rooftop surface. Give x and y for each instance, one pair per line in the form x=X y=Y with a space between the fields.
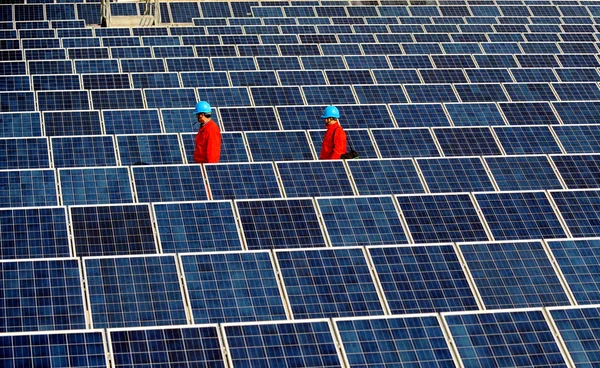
x=465 y=234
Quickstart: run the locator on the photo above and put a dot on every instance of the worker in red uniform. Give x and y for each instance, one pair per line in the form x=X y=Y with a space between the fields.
x=208 y=139
x=334 y=141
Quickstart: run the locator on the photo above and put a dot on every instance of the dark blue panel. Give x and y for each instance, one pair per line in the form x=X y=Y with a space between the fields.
x=520 y=215
x=480 y=141
x=24 y=153
x=278 y=63
x=394 y=176
x=253 y=78
x=242 y=181
x=480 y=92
x=474 y=114
x=55 y=82
x=78 y=151
x=523 y=172
x=280 y=223
x=395 y=76
x=361 y=221
x=410 y=61
x=206 y=79
x=279 y=146
x=430 y=93
x=155 y=80
x=98 y=185
x=397 y=143
x=443 y=76
x=580 y=210
x=578 y=138
x=577 y=75
x=61 y=123
x=517 y=338
x=106 y=81
x=328 y=283
x=170 y=97
x=197 y=227
x=18 y=101
x=168 y=183
x=150 y=149
x=587 y=112
x=41 y=295
x=577 y=91
x=453 y=61
x=188 y=64
x=380 y=93
x=519 y=140
x=301 y=77
x=578 y=171
x=445 y=175
x=314 y=178
x=28 y=188
x=323 y=62
x=222 y=96
x=58 y=100
x=441 y=218
x=534 y=75
x=232 y=287
x=495 y=61
x=134 y=291
x=248 y=118
x=101 y=66
x=117 y=99
x=514 y=275
x=578 y=331
x=320 y=95
x=421 y=279
x=140 y=121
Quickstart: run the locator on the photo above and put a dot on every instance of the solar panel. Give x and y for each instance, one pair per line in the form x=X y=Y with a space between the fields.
x=442 y=76
x=97 y=185
x=20 y=124
x=105 y=81
x=578 y=60
x=397 y=143
x=197 y=227
x=104 y=99
x=357 y=139
x=280 y=223
x=518 y=338
x=480 y=92
x=534 y=139
x=578 y=112
x=28 y=188
x=578 y=171
x=248 y=118
x=134 y=53
x=419 y=115
x=80 y=151
x=242 y=181
x=187 y=345
x=134 y=291
x=198 y=64
x=52 y=82
x=530 y=92
x=583 y=91
x=395 y=76
x=119 y=121
x=334 y=94
x=314 y=178
x=578 y=209
x=445 y=175
x=576 y=327
x=301 y=77
x=61 y=123
x=436 y=218
x=41 y=295
x=293 y=343
x=173 y=51
x=83 y=348
x=533 y=75
x=155 y=80
x=206 y=79
x=49 y=100
x=149 y=149
x=474 y=114
x=385 y=176
x=380 y=93
x=481 y=141
x=168 y=183
x=577 y=75
x=232 y=287
x=169 y=97
x=24 y=153
x=423 y=93
x=225 y=96
x=369 y=220
x=328 y=282
x=279 y=145
x=278 y=63
x=253 y=78
x=495 y=61
x=578 y=138
x=523 y=172
x=461 y=47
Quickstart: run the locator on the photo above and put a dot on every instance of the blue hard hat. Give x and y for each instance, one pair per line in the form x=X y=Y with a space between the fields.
x=202 y=107
x=331 y=112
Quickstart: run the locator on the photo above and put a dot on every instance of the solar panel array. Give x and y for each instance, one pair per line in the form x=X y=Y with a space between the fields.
x=465 y=234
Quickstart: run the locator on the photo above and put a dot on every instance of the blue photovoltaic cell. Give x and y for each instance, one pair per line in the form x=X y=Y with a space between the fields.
x=480 y=92
x=399 y=143
x=169 y=97
x=55 y=100
x=168 y=183
x=197 y=227
x=242 y=181
x=361 y=221
x=62 y=123
x=20 y=124
x=134 y=291
x=117 y=99
x=577 y=91
x=419 y=115
x=523 y=172
x=394 y=341
x=533 y=139
x=34 y=233
x=578 y=138
x=73 y=349
x=290 y=343
x=173 y=346
x=328 y=283
x=421 y=279
x=24 y=153
x=95 y=185
x=587 y=112
x=225 y=96
x=41 y=295
x=248 y=118
x=28 y=188
x=380 y=93
x=519 y=113
x=314 y=178
x=441 y=218
x=333 y=95
x=578 y=260
x=577 y=327
x=280 y=223
x=474 y=114
x=580 y=209
x=112 y=230
x=514 y=338
x=80 y=151
x=253 y=78
x=430 y=93
x=578 y=171
x=520 y=215
x=149 y=149
x=529 y=92
x=455 y=174
x=232 y=287
x=514 y=275
x=385 y=176
x=481 y=141
x=136 y=121
x=279 y=146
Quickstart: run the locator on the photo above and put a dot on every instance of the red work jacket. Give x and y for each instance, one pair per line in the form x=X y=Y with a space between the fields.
x=208 y=144
x=334 y=142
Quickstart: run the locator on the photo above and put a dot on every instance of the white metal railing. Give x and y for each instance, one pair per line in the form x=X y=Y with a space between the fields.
x=151 y=16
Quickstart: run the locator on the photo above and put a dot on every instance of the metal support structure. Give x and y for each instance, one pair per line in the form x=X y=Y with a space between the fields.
x=151 y=16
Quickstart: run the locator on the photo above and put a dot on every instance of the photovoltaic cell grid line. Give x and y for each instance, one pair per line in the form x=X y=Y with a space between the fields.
x=514 y=275
x=232 y=287
x=329 y=283
x=519 y=338
x=41 y=295
x=134 y=291
x=394 y=341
